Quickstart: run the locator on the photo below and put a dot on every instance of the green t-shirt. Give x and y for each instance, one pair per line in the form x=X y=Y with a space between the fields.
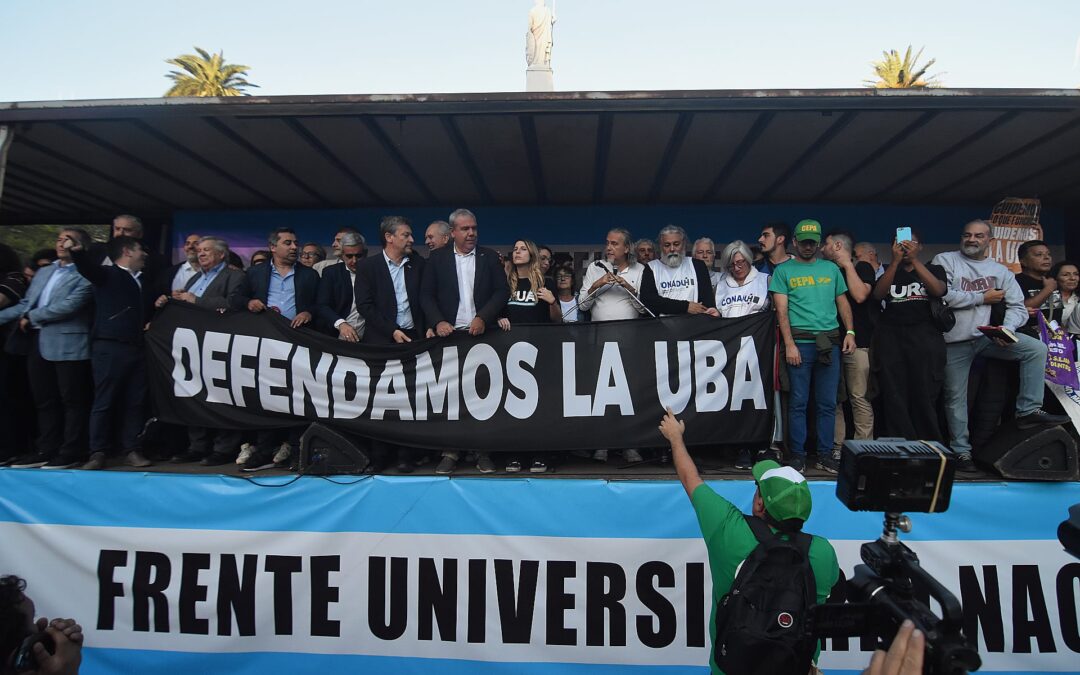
x=730 y=540
x=811 y=289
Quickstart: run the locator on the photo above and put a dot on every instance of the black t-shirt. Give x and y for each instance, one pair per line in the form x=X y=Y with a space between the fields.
x=525 y=307
x=864 y=315
x=1032 y=287
x=908 y=302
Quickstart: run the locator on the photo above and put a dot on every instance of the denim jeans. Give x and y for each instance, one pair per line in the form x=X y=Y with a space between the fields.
x=1031 y=354
x=826 y=379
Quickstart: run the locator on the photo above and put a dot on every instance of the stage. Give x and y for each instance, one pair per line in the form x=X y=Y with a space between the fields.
x=189 y=569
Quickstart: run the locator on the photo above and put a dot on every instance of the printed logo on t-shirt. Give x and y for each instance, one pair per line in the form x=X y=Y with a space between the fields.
x=525 y=298
x=979 y=284
x=906 y=293
x=797 y=282
x=740 y=299
x=685 y=282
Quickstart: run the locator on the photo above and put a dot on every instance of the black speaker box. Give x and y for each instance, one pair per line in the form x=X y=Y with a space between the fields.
x=325 y=452
x=1044 y=453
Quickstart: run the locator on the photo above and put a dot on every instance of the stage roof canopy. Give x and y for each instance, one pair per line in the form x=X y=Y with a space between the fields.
x=84 y=161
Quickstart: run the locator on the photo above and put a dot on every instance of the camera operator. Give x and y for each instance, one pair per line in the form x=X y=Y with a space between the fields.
x=19 y=633
x=782 y=501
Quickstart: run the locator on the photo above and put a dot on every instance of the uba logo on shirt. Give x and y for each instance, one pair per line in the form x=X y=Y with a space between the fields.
x=523 y=298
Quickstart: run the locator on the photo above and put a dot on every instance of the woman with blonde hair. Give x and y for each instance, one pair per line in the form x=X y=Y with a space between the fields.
x=531 y=301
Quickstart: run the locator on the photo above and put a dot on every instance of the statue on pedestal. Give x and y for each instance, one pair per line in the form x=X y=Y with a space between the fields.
x=538 y=39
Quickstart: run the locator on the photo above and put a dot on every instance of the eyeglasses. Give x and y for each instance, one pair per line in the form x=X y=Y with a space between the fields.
x=738 y=263
x=350 y=256
x=309 y=254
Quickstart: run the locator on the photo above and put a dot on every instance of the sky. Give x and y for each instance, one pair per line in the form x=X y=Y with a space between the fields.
x=75 y=49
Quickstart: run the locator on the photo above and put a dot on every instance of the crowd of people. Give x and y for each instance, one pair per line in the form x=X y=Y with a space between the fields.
x=854 y=333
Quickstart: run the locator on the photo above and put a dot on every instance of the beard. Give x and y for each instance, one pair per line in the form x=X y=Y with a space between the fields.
x=971 y=250
x=673 y=259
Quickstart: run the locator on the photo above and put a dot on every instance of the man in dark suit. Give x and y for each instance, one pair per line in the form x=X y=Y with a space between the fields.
x=176 y=277
x=218 y=287
x=388 y=287
x=290 y=289
x=123 y=302
x=281 y=284
x=464 y=288
x=55 y=314
x=335 y=307
x=388 y=297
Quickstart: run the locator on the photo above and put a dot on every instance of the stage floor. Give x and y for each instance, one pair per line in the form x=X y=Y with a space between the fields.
x=712 y=467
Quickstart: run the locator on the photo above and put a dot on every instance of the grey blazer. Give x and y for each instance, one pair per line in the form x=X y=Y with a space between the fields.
x=64 y=322
x=228 y=290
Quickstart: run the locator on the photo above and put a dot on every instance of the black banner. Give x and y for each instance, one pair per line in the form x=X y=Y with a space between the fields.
x=537 y=387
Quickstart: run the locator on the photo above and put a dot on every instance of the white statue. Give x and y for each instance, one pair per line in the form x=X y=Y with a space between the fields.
x=538 y=39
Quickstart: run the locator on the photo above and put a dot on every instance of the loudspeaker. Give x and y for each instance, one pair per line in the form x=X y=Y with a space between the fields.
x=1047 y=453
x=325 y=452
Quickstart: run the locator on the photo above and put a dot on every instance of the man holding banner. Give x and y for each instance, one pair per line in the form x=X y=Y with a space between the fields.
x=463 y=289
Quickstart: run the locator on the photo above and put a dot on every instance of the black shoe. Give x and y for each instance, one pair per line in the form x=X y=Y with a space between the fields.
x=798 y=462
x=30 y=460
x=187 y=456
x=1040 y=418
x=260 y=460
x=405 y=467
x=830 y=464
x=216 y=459
x=62 y=463
x=743 y=461
x=772 y=454
x=96 y=463
x=965 y=464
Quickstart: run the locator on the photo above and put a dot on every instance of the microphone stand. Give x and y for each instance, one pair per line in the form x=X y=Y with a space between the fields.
x=603 y=289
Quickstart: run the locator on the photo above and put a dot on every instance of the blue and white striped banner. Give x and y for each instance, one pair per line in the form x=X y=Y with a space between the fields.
x=176 y=573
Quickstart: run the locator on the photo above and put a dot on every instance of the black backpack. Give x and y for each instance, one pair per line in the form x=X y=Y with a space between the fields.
x=761 y=621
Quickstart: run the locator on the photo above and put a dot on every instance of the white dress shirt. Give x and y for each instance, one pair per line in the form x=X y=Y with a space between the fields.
x=183 y=276
x=466 y=280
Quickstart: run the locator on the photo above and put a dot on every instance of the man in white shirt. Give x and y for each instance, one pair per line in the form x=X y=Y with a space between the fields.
x=334 y=256
x=335 y=306
x=181 y=273
x=705 y=251
x=599 y=294
x=464 y=288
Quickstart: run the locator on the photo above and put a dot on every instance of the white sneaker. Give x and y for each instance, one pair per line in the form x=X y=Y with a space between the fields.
x=283 y=453
x=245 y=451
x=632 y=456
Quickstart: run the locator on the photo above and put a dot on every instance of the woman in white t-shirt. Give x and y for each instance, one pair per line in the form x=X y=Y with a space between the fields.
x=742 y=289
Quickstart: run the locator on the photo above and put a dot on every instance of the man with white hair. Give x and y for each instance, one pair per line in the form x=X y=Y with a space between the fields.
x=437 y=235
x=705 y=251
x=679 y=285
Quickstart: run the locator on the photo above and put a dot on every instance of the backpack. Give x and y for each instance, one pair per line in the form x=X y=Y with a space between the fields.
x=761 y=621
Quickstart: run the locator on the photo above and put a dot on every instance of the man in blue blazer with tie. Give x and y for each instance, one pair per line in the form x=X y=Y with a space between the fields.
x=123 y=302
x=55 y=313
x=464 y=288
x=280 y=285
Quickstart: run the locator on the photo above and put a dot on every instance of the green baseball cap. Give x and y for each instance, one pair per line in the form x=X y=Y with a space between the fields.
x=808 y=229
x=783 y=489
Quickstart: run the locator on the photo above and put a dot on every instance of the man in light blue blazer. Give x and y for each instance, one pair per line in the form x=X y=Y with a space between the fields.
x=55 y=315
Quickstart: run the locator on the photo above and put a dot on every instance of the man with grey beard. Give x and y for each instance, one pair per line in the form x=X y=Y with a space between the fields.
x=674 y=283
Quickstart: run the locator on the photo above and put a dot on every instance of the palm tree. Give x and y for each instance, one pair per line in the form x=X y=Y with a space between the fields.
x=207 y=75
x=894 y=72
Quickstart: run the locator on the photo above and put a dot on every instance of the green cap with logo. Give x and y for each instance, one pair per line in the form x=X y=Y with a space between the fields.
x=808 y=229
x=783 y=489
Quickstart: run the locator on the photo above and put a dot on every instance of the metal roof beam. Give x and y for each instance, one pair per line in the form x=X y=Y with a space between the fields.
x=399 y=159
x=823 y=140
x=471 y=167
x=60 y=157
x=138 y=161
x=24 y=171
x=326 y=153
x=674 y=144
x=604 y=125
x=741 y=151
x=251 y=148
x=186 y=151
x=1026 y=147
x=31 y=188
x=921 y=121
x=532 y=151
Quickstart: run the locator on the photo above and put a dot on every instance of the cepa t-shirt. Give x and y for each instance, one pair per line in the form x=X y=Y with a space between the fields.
x=729 y=541
x=811 y=289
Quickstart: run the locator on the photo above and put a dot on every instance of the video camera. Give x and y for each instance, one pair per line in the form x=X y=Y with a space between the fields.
x=893 y=477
